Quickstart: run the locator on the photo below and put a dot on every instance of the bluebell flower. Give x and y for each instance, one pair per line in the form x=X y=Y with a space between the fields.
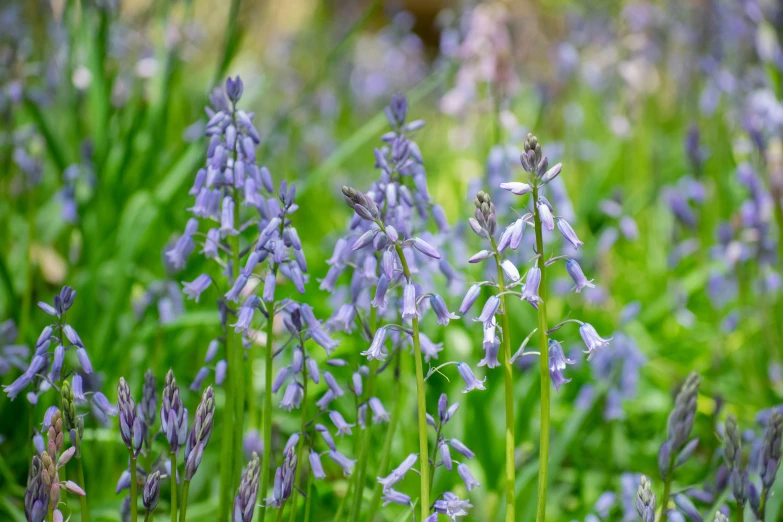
x=376 y=348
x=568 y=233
x=452 y=506
x=471 y=383
x=441 y=311
x=341 y=460
x=471 y=296
x=532 y=282
x=343 y=427
x=409 y=309
x=399 y=472
x=195 y=288
x=489 y=311
x=544 y=211
x=466 y=476
x=576 y=273
x=592 y=340
x=557 y=363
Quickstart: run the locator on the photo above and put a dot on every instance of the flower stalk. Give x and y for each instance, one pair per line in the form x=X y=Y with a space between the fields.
x=266 y=426
x=424 y=500
x=508 y=384
x=543 y=457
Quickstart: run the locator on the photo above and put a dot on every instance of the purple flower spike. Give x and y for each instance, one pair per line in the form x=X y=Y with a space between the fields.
x=532 y=282
x=197 y=287
x=575 y=271
x=592 y=340
x=471 y=383
x=568 y=233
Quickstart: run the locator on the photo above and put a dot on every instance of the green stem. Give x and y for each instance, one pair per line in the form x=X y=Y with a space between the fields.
x=280 y=513
x=667 y=487
x=184 y=503
x=543 y=458
x=741 y=513
x=420 y=400
x=80 y=478
x=51 y=512
x=509 y=391
x=434 y=457
x=173 y=458
x=361 y=467
x=387 y=443
x=134 y=489
x=147 y=516
x=763 y=505
x=300 y=447
x=267 y=415
x=343 y=502
x=239 y=374
x=227 y=436
x=309 y=496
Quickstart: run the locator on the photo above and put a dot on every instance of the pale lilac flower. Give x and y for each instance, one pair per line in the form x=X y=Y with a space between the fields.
x=452 y=506
x=324 y=431
x=333 y=386
x=489 y=311
x=471 y=383
x=460 y=448
x=379 y=413
x=391 y=496
x=510 y=270
x=409 y=310
x=467 y=476
x=480 y=256
x=576 y=273
x=425 y=248
x=343 y=427
x=441 y=311
x=592 y=340
x=315 y=465
x=471 y=296
x=195 y=288
x=341 y=460
x=532 y=282
x=445 y=455
x=379 y=301
x=292 y=397
x=547 y=220
x=568 y=233
x=399 y=472
x=517 y=188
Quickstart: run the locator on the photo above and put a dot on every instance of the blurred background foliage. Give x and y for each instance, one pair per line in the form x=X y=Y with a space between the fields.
x=101 y=104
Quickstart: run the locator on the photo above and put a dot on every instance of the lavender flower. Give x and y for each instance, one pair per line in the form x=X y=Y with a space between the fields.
x=592 y=340
x=245 y=500
x=466 y=476
x=532 y=282
x=471 y=383
x=151 y=494
x=645 y=501
x=575 y=271
x=557 y=363
x=130 y=425
x=173 y=415
x=200 y=433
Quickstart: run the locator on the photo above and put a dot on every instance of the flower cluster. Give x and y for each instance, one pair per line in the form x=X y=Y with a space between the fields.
x=46 y=366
